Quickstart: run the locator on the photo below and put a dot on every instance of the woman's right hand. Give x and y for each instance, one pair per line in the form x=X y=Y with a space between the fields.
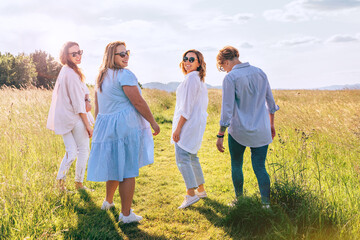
x=156 y=128
x=90 y=131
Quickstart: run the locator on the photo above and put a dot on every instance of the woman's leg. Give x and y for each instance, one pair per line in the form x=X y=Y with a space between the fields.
x=126 y=190
x=183 y=162
x=258 y=157
x=199 y=176
x=70 y=156
x=82 y=141
x=110 y=190
x=237 y=154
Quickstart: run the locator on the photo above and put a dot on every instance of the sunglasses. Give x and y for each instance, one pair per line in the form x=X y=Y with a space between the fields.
x=123 y=54
x=192 y=59
x=80 y=52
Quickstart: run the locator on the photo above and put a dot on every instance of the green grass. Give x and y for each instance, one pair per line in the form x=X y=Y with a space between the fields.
x=313 y=164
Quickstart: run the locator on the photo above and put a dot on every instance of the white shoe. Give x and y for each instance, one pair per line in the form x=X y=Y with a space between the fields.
x=189 y=200
x=106 y=205
x=266 y=206
x=201 y=194
x=131 y=218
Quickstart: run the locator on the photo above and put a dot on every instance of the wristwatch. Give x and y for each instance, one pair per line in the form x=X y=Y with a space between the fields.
x=87 y=100
x=220 y=136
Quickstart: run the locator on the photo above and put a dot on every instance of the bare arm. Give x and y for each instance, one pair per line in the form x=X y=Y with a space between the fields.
x=86 y=123
x=96 y=105
x=272 y=125
x=176 y=134
x=87 y=103
x=220 y=141
x=132 y=92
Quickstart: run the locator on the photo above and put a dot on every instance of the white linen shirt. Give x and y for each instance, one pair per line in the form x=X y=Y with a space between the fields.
x=68 y=100
x=191 y=103
x=247 y=101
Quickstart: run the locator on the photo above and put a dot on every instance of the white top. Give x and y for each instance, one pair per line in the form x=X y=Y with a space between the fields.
x=68 y=100
x=247 y=101
x=191 y=103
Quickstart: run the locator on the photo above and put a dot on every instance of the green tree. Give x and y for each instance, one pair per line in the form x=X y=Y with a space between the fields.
x=17 y=71
x=47 y=69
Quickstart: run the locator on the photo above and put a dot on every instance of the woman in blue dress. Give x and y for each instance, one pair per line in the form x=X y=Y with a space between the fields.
x=122 y=140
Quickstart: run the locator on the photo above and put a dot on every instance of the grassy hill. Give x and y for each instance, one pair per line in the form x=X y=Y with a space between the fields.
x=313 y=164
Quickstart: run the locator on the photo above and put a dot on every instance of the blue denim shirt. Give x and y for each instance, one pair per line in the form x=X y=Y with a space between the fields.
x=247 y=101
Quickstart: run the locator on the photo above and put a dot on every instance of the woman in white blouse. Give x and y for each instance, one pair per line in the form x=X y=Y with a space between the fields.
x=69 y=114
x=189 y=124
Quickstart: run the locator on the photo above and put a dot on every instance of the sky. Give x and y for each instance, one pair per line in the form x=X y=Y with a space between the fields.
x=299 y=44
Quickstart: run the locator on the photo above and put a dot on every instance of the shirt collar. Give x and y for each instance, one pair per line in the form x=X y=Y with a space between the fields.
x=241 y=65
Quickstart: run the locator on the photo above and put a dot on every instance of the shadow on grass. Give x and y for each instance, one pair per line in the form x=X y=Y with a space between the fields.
x=295 y=213
x=94 y=223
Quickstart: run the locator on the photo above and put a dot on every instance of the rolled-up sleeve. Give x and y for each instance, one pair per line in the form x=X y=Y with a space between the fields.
x=270 y=102
x=228 y=101
x=76 y=94
x=192 y=87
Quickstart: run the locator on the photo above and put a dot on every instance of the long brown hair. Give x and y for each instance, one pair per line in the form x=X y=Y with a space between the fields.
x=65 y=59
x=108 y=61
x=201 y=68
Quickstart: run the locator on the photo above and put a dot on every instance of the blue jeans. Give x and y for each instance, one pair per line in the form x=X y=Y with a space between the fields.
x=258 y=157
x=189 y=167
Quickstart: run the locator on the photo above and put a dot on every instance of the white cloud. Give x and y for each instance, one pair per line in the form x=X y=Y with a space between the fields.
x=340 y=38
x=291 y=12
x=306 y=10
x=208 y=20
x=331 y=5
x=246 y=45
x=307 y=40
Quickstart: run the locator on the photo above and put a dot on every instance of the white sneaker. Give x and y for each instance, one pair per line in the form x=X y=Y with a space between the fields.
x=131 y=218
x=201 y=194
x=266 y=206
x=189 y=200
x=106 y=205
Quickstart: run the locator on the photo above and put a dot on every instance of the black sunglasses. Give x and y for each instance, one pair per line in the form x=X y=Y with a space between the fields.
x=123 y=54
x=80 y=52
x=192 y=59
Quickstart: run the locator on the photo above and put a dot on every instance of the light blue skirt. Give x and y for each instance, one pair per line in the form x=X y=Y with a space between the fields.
x=122 y=143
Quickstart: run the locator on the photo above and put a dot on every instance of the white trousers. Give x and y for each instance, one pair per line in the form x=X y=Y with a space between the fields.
x=76 y=145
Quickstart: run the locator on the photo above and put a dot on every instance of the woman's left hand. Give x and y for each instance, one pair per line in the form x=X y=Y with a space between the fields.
x=176 y=135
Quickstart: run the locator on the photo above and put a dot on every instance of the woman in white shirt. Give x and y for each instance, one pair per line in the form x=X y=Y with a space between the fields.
x=69 y=114
x=189 y=124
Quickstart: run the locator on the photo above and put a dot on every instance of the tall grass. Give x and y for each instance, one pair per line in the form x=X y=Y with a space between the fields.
x=313 y=164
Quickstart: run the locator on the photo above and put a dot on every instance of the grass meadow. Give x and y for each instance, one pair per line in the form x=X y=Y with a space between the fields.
x=314 y=165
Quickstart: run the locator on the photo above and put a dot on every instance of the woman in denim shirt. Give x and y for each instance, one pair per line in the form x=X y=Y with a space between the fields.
x=248 y=109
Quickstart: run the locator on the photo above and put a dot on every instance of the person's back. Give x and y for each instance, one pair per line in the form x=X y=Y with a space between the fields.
x=250 y=123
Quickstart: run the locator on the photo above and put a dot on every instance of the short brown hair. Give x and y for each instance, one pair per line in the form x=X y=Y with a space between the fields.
x=227 y=53
x=201 y=68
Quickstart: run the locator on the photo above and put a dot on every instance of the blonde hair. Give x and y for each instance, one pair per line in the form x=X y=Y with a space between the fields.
x=65 y=59
x=108 y=61
x=227 y=53
x=200 y=59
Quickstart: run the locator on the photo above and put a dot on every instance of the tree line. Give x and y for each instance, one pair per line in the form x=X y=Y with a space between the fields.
x=37 y=69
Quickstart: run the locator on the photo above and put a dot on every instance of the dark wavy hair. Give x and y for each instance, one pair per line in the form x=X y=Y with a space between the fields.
x=201 y=68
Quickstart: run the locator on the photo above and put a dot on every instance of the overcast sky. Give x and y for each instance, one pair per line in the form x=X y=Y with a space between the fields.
x=298 y=44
